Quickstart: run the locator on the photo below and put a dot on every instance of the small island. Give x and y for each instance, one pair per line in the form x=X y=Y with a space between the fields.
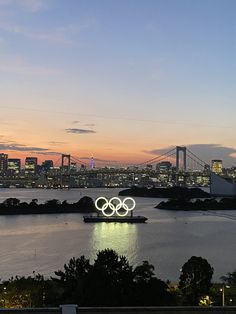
x=13 y=206
x=172 y=192
x=206 y=204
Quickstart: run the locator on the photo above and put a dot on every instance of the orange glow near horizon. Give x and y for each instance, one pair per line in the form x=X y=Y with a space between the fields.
x=99 y=160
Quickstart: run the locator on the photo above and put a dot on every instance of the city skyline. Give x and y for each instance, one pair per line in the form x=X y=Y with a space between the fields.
x=120 y=81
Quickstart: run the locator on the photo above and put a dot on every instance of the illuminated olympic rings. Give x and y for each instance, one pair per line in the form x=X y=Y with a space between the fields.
x=115 y=206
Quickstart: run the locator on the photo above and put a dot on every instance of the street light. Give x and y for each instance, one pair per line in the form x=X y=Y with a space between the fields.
x=223 y=294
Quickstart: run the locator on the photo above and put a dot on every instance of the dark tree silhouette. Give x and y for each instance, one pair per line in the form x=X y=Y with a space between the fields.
x=72 y=280
x=53 y=203
x=23 y=292
x=195 y=279
x=230 y=278
x=149 y=290
x=144 y=272
x=11 y=202
x=86 y=204
x=110 y=280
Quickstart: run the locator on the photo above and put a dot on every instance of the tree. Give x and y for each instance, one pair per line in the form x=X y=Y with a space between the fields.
x=19 y=292
x=11 y=202
x=52 y=203
x=34 y=202
x=230 y=278
x=110 y=280
x=144 y=272
x=195 y=279
x=71 y=281
x=86 y=204
x=149 y=290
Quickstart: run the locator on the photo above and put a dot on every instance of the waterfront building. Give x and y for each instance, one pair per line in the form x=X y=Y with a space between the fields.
x=31 y=165
x=13 y=166
x=164 y=166
x=47 y=165
x=3 y=163
x=222 y=186
x=149 y=167
x=83 y=167
x=73 y=167
x=217 y=166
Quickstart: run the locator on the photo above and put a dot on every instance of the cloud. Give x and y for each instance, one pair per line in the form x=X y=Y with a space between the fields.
x=86 y=124
x=206 y=152
x=59 y=35
x=80 y=131
x=56 y=142
x=51 y=36
x=21 y=147
x=15 y=64
x=28 y=5
x=48 y=153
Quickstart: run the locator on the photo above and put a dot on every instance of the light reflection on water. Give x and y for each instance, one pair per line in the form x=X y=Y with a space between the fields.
x=119 y=237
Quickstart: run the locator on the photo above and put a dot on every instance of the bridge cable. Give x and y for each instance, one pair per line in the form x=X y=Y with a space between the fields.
x=202 y=161
x=197 y=162
x=156 y=158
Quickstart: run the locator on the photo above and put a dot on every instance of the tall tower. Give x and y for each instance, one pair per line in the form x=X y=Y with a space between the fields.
x=92 y=164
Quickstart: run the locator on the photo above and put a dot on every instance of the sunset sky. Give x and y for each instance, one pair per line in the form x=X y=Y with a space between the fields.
x=120 y=80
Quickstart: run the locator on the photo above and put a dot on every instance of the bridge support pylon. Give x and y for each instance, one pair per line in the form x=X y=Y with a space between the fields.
x=180 y=149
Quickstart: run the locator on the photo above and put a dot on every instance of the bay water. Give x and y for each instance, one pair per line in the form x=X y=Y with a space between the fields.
x=44 y=243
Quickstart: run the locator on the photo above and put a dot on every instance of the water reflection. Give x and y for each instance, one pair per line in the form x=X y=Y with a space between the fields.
x=122 y=237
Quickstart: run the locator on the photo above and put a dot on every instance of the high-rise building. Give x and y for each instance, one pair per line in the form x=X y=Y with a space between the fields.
x=13 y=166
x=217 y=166
x=164 y=166
x=47 y=165
x=31 y=165
x=149 y=167
x=3 y=163
x=73 y=166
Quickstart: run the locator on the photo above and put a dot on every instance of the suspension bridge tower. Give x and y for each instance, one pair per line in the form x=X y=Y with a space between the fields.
x=181 y=165
x=180 y=149
x=65 y=171
x=63 y=164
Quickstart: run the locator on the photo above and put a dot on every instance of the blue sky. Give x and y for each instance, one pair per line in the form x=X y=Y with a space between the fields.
x=136 y=76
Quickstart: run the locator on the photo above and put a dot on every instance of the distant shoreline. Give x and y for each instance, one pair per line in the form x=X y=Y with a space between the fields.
x=204 y=205
x=13 y=206
x=172 y=192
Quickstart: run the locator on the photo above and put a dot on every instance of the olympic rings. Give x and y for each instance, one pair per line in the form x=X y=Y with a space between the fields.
x=115 y=204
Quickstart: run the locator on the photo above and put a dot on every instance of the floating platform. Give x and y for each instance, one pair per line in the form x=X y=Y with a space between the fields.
x=134 y=219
